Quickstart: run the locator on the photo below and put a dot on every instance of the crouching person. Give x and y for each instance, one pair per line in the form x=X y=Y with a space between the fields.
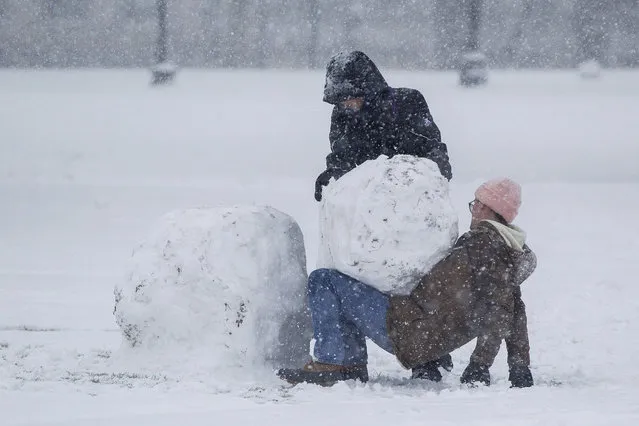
x=472 y=293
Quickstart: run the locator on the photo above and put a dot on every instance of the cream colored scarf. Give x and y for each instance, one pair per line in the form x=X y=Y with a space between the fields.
x=515 y=236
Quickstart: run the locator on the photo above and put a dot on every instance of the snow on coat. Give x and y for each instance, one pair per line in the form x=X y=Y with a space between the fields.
x=471 y=293
x=392 y=121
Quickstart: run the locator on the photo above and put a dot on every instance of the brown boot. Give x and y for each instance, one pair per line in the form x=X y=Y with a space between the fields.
x=319 y=373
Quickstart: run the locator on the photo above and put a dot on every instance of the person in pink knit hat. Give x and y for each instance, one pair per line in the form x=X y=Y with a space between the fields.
x=493 y=210
x=472 y=293
x=496 y=206
x=498 y=199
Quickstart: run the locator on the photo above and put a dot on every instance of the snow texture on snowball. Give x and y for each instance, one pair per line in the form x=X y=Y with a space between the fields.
x=387 y=222
x=227 y=281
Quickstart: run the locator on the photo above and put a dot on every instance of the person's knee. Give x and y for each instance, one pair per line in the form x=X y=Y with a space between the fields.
x=320 y=274
x=320 y=277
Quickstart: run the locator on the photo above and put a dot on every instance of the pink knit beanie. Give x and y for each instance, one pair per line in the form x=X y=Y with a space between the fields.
x=502 y=195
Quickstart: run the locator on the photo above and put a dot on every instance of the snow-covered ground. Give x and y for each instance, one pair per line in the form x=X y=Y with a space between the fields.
x=88 y=159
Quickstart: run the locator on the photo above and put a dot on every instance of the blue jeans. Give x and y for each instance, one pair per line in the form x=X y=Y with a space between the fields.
x=346 y=311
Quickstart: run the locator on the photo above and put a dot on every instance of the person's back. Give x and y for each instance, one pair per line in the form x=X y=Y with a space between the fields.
x=467 y=295
x=370 y=119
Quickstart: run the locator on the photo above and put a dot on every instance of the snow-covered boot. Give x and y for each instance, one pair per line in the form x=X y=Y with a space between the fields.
x=445 y=362
x=430 y=370
x=324 y=374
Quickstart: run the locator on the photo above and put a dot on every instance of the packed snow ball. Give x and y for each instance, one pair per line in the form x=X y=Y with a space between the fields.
x=387 y=222
x=231 y=281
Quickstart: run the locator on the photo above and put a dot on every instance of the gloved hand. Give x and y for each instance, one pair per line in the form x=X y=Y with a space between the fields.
x=322 y=180
x=475 y=373
x=520 y=377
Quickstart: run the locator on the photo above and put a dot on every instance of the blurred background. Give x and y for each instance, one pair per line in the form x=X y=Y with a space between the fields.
x=409 y=34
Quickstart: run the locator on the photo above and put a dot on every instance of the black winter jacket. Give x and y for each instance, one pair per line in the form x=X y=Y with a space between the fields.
x=392 y=120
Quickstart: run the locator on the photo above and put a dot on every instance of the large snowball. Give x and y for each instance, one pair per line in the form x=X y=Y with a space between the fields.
x=230 y=283
x=387 y=222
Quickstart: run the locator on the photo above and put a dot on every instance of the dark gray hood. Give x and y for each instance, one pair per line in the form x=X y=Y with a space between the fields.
x=352 y=75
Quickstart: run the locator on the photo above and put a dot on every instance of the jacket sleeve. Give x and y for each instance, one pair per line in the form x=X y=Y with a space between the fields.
x=496 y=315
x=517 y=343
x=486 y=350
x=342 y=157
x=338 y=127
x=422 y=136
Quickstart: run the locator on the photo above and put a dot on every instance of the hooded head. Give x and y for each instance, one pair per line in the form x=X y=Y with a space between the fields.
x=352 y=75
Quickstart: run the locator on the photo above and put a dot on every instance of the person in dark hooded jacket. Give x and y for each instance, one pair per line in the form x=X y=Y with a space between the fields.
x=370 y=119
x=473 y=293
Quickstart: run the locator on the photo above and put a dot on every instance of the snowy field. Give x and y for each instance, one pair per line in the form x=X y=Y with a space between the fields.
x=89 y=158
